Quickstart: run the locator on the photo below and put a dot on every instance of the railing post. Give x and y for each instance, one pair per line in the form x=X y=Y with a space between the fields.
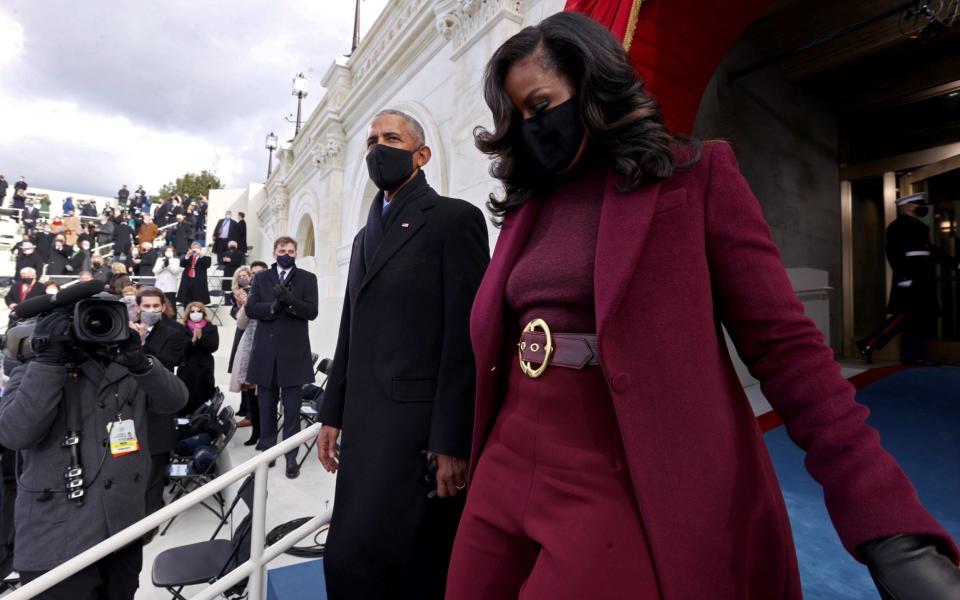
x=258 y=532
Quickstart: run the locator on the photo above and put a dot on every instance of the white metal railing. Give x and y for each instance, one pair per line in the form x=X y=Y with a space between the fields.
x=254 y=568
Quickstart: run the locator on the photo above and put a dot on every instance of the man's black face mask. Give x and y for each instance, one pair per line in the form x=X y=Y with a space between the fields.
x=921 y=211
x=553 y=137
x=388 y=166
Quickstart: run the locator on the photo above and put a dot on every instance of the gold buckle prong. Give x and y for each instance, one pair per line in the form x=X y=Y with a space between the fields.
x=526 y=366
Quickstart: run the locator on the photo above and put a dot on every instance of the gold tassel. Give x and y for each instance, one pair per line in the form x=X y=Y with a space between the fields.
x=631 y=24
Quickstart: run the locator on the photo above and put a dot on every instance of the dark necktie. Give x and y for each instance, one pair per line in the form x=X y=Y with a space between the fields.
x=283 y=277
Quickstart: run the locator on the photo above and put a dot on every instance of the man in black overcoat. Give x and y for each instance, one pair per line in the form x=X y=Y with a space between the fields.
x=166 y=340
x=193 y=280
x=283 y=299
x=402 y=382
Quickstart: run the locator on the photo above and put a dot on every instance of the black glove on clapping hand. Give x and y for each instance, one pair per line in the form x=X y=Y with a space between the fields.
x=909 y=567
x=283 y=295
x=130 y=355
x=53 y=332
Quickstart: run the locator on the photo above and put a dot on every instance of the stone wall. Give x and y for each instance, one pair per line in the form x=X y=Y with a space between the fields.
x=787 y=145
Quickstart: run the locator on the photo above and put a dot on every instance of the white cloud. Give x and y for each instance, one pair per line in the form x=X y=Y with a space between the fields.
x=104 y=93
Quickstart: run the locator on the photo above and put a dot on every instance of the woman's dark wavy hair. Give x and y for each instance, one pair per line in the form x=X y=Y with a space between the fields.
x=622 y=121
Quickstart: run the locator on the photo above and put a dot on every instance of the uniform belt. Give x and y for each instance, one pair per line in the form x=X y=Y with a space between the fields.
x=569 y=350
x=918 y=253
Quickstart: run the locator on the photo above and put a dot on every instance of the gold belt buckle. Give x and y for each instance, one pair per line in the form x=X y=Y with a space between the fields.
x=526 y=366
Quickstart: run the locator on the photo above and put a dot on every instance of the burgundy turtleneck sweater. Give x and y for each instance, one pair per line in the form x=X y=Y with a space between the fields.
x=553 y=278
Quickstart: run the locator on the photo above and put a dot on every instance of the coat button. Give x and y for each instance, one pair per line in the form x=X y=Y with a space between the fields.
x=620 y=382
x=108 y=484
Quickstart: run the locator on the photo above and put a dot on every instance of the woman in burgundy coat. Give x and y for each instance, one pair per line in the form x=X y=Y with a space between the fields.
x=617 y=456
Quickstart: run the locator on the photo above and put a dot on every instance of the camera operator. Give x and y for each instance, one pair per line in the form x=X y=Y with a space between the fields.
x=40 y=405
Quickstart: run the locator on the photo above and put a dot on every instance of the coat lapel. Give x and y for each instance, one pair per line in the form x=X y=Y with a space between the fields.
x=624 y=220
x=407 y=224
x=488 y=307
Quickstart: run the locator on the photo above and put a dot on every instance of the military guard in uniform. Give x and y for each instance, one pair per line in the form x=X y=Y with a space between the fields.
x=913 y=306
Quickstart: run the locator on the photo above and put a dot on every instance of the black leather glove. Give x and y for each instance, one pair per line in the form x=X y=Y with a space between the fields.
x=909 y=567
x=129 y=353
x=283 y=295
x=51 y=339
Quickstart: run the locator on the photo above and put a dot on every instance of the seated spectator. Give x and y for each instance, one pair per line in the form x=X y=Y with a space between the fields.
x=232 y=260
x=82 y=259
x=143 y=262
x=196 y=370
x=99 y=269
x=24 y=287
x=51 y=287
x=119 y=279
x=27 y=257
x=129 y=297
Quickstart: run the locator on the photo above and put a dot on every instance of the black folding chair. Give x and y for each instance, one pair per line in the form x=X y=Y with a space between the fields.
x=185 y=477
x=202 y=416
x=210 y=560
x=312 y=401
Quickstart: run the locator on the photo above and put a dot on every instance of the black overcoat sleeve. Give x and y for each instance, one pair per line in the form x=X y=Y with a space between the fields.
x=331 y=412
x=260 y=300
x=466 y=253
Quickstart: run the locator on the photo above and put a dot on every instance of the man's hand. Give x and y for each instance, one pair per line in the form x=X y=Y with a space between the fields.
x=54 y=329
x=327 y=450
x=129 y=353
x=451 y=474
x=283 y=294
x=142 y=329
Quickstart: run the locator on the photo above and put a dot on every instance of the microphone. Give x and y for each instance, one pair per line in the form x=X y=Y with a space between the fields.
x=65 y=297
x=34 y=306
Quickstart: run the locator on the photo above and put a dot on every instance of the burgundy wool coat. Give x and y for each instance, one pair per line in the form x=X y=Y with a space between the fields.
x=675 y=260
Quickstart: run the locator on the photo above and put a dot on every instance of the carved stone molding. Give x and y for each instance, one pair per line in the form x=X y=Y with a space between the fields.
x=329 y=153
x=381 y=45
x=463 y=22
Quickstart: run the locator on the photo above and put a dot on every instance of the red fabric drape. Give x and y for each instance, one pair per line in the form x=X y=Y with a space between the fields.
x=676 y=45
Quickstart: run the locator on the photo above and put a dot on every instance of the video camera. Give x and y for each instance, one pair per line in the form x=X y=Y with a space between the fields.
x=100 y=321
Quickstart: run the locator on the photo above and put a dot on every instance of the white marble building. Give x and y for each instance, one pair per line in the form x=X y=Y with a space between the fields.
x=425 y=57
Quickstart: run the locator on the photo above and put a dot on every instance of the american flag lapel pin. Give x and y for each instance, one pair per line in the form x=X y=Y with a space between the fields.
x=404 y=225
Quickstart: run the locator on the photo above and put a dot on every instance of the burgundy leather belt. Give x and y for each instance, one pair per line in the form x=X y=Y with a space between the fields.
x=569 y=350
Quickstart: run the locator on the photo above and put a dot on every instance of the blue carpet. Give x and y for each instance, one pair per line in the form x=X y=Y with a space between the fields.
x=302 y=581
x=917 y=413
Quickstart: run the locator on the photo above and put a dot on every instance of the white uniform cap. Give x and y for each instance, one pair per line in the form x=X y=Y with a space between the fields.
x=918 y=198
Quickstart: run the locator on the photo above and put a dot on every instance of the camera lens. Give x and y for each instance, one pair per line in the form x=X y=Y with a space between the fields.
x=97 y=322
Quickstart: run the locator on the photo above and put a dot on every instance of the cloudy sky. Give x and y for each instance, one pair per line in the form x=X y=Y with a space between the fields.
x=98 y=93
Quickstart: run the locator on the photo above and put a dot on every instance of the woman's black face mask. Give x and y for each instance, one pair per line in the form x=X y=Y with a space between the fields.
x=553 y=137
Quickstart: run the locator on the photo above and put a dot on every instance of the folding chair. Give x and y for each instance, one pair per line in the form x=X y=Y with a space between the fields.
x=312 y=401
x=202 y=416
x=186 y=477
x=217 y=296
x=210 y=560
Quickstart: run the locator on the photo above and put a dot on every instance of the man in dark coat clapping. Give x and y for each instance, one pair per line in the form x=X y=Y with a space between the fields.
x=401 y=386
x=283 y=299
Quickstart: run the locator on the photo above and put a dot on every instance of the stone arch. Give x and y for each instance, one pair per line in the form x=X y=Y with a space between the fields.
x=305 y=237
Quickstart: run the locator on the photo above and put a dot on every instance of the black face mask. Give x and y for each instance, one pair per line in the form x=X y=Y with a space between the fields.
x=553 y=137
x=922 y=211
x=285 y=261
x=389 y=166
